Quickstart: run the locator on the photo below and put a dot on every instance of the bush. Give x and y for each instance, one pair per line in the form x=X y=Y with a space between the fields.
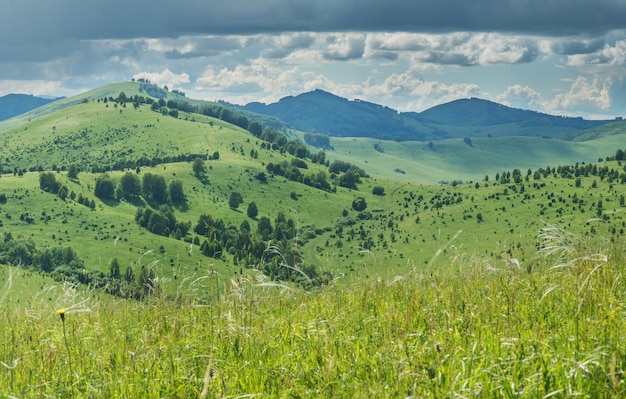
x=359 y=204
x=378 y=190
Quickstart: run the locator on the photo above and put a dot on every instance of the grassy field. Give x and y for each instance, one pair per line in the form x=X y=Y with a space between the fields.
x=447 y=160
x=489 y=329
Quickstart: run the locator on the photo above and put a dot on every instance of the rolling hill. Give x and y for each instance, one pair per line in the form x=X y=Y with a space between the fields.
x=323 y=112
x=311 y=206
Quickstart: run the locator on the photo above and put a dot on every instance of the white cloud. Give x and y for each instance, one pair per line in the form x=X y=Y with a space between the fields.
x=584 y=94
x=345 y=46
x=519 y=96
x=258 y=81
x=609 y=55
x=166 y=77
x=282 y=45
x=37 y=88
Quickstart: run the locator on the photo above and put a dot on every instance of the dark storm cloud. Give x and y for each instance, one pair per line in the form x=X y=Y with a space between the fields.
x=37 y=21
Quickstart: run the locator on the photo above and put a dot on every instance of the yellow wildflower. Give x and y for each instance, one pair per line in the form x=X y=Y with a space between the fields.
x=61 y=312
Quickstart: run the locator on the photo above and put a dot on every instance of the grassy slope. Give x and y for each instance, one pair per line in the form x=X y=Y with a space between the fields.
x=489 y=329
x=455 y=160
x=113 y=134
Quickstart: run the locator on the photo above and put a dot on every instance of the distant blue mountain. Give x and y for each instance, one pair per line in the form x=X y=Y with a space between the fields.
x=16 y=104
x=322 y=112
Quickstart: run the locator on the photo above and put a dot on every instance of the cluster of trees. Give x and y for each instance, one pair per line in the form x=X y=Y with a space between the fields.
x=577 y=171
x=153 y=188
x=49 y=183
x=61 y=263
x=251 y=250
x=345 y=174
x=318 y=140
x=292 y=172
x=162 y=222
x=143 y=161
x=130 y=285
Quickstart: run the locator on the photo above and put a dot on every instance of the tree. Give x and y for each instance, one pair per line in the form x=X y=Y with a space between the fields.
x=48 y=182
x=129 y=275
x=235 y=200
x=261 y=177
x=130 y=185
x=198 y=167
x=265 y=229
x=114 y=269
x=154 y=188
x=72 y=172
x=378 y=190
x=105 y=187
x=255 y=128
x=359 y=204
x=177 y=194
x=253 y=211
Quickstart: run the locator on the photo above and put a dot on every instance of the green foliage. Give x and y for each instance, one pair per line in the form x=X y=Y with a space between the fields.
x=154 y=188
x=177 y=192
x=130 y=185
x=359 y=204
x=48 y=182
x=378 y=190
x=72 y=172
x=318 y=140
x=265 y=228
x=199 y=169
x=252 y=211
x=235 y=200
x=498 y=329
x=105 y=187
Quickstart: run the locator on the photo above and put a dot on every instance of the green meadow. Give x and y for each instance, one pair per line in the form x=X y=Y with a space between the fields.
x=486 y=329
x=505 y=281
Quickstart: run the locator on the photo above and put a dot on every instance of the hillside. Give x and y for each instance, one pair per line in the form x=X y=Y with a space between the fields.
x=326 y=113
x=83 y=176
x=15 y=104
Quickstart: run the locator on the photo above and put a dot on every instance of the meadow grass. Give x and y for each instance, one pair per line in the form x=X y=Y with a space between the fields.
x=490 y=329
x=453 y=159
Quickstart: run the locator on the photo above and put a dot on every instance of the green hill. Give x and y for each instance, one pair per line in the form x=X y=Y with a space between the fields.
x=311 y=211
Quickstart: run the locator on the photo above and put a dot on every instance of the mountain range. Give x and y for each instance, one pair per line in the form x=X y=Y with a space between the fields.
x=322 y=112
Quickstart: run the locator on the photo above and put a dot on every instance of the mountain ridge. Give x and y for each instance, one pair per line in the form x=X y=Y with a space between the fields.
x=323 y=112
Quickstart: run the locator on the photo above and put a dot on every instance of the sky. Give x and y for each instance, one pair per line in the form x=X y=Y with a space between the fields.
x=563 y=57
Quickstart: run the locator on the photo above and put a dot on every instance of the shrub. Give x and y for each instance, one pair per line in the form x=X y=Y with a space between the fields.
x=378 y=190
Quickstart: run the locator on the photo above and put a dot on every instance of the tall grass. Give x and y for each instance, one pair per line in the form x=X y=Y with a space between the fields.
x=492 y=328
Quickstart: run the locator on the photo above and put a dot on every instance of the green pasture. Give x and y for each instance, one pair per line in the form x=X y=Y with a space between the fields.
x=486 y=329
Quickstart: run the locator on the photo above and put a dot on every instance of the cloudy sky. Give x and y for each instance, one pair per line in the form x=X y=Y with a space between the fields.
x=565 y=57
